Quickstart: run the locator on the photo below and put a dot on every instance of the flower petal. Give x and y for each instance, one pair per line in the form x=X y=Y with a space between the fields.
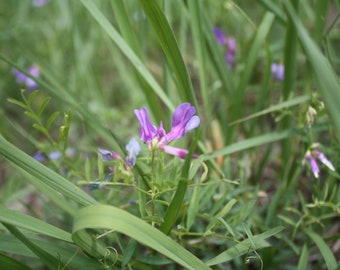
x=183 y=120
x=147 y=130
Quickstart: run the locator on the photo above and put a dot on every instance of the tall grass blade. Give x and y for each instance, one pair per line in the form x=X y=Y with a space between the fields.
x=326 y=79
x=112 y=218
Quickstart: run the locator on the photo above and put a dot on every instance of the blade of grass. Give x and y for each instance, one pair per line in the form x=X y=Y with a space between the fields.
x=273 y=108
x=170 y=48
x=243 y=247
x=127 y=51
x=259 y=41
x=44 y=174
x=176 y=203
x=195 y=11
x=112 y=218
x=10 y=263
x=324 y=249
x=130 y=37
x=325 y=76
x=303 y=261
x=20 y=220
x=252 y=142
x=48 y=259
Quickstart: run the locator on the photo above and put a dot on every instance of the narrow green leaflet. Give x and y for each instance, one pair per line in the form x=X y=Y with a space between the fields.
x=7 y=262
x=252 y=142
x=170 y=47
x=327 y=81
x=32 y=224
x=324 y=250
x=126 y=50
x=244 y=247
x=44 y=174
x=113 y=218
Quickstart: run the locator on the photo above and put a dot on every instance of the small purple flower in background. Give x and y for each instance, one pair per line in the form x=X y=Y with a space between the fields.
x=133 y=149
x=278 y=71
x=39 y=156
x=108 y=155
x=222 y=39
x=183 y=121
x=313 y=165
x=220 y=36
x=39 y=3
x=27 y=81
x=311 y=157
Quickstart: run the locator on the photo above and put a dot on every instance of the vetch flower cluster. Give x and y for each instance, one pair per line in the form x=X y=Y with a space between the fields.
x=222 y=39
x=278 y=71
x=183 y=121
x=21 y=78
x=312 y=156
x=132 y=148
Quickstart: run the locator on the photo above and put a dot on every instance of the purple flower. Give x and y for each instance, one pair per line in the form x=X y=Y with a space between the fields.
x=108 y=155
x=39 y=3
x=311 y=156
x=148 y=132
x=183 y=121
x=133 y=149
x=321 y=156
x=39 y=156
x=313 y=165
x=21 y=78
x=222 y=39
x=220 y=36
x=278 y=71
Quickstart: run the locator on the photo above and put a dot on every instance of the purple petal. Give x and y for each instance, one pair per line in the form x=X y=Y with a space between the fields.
x=231 y=45
x=220 y=36
x=193 y=123
x=147 y=130
x=183 y=120
x=39 y=156
x=34 y=71
x=278 y=71
x=133 y=149
x=178 y=152
x=108 y=155
x=313 y=165
x=54 y=155
x=325 y=161
x=40 y=3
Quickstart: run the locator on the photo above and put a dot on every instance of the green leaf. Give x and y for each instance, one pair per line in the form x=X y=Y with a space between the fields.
x=251 y=59
x=170 y=47
x=225 y=210
x=32 y=224
x=127 y=51
x=40 y=128
x=273 y=108
x=33 y=116
x=44 y=174
x=244 y=247
x=303 y=261
x=252 y=142
x=31 y=96
x=174 y=208
x=326 y=79
x=17 y=102
x=112 y=218
x=51 y=119
x=324 y=250
x=43 y=105
x=10 y=263
x=51 y=261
